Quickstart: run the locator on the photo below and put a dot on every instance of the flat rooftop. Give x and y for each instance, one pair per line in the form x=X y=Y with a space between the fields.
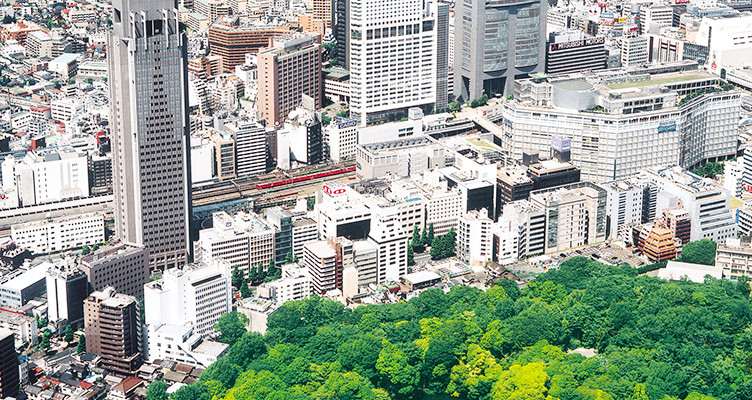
x=663 y=79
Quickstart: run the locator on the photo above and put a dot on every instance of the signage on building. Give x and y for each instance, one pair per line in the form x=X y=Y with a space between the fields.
x=329 y=190
x=578 y=43
x=667 y=126
x=347 y=124
x=681 y=1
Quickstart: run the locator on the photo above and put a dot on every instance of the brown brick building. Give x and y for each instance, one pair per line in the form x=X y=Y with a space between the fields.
x=288 y=69
x=232 y=42
x=113 y=330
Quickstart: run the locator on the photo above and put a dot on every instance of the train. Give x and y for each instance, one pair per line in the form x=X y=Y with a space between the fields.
x=267 y=185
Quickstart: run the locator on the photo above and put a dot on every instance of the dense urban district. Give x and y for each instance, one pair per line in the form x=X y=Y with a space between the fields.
x=375 y=200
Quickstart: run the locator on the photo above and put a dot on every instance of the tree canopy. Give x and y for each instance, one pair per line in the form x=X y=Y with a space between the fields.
x=636 y=338
x=699 y=252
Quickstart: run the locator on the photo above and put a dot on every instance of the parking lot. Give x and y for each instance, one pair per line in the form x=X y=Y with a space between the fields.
x=603 y=252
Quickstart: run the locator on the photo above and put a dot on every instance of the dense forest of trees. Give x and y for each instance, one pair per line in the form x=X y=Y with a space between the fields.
x=654 y=340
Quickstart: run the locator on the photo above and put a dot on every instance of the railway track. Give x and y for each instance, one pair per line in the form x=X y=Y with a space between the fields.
x=265 y=188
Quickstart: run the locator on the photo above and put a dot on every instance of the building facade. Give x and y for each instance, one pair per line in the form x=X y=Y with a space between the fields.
x=288 y=69
x=392 y=58
x=149 y=104
x=112 y=324
x=496 y=43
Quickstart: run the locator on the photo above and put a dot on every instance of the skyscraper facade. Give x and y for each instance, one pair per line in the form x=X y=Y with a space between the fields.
x=149 y=102
x=393 y=57
x=495 y=43
x=289 y=69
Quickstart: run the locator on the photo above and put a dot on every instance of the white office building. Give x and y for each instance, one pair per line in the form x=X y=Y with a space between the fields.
x=47 y=176
x=393 y=57
x=304 y=230
x=65 y=109
x=729 y=41
x=530 y=223
x=706 y=201
x=341 y=136
x=195 y=295
x=59 y=234
x=181 y=344
x=733 y=176
x=389 y=236
x=655 y=16
x=243 y=239
x=474 y=244
x=250 y=140
x=505 y=242
x=575 y=215
x=623 y=204
x=634 y=51
x=295 y=284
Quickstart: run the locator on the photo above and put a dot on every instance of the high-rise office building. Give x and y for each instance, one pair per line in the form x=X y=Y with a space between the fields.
x=289 y=69
x=113 y=330
x=341 y=31
x=149 y=102
x=195 y=295
x=67 y=287
x=250 y=139
x=322 y=10
x=232 y=40
x=496 y=43
x=393 y=57
x=9 y=373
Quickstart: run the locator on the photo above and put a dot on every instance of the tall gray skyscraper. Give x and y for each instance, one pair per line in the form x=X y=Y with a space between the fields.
x=495 y=43
x=148 y=116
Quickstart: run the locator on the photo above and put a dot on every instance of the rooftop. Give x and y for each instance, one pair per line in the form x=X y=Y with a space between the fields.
x=29 y=277
x=421 y=277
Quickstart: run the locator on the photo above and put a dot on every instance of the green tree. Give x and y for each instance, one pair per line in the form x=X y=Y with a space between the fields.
x=430 y=234
x=237 y=278
x=699 y=252
x=245 y=290
x=325 y=120
x=311 y=202
x=231 y=327
x=416 y=241
x=437 y=248
x=410 y=254
x=191 y=392
x=250 y=347
x=81 y=347
x=396 y=373
x=288 y=258
x=343 y=113
x=44 y=342
x=157 y=391
x=68 y=334
x=85 y=250
x=424 y=238
x=223 y=371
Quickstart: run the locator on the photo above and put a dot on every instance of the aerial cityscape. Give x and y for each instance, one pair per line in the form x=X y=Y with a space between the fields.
x=376 y=200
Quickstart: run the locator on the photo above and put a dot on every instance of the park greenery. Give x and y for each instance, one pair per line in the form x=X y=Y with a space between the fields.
x=652 y=339
x=709 y=170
